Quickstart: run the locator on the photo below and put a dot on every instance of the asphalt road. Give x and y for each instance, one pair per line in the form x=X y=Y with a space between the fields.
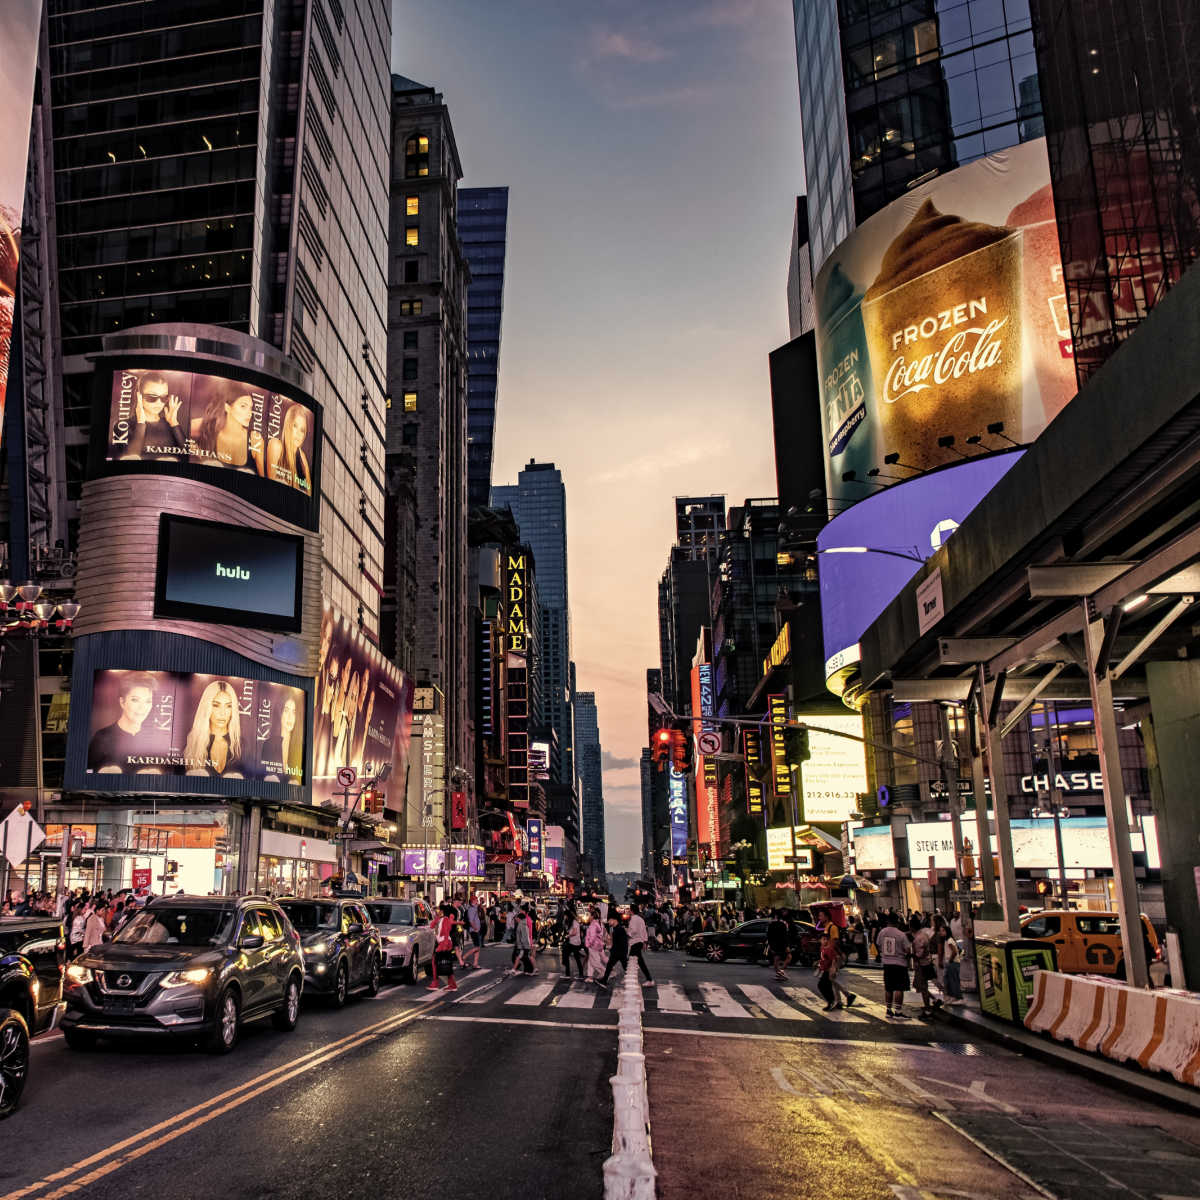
x=501 y=1090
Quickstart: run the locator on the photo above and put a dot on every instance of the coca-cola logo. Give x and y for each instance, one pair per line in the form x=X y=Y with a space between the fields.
x=967 y=352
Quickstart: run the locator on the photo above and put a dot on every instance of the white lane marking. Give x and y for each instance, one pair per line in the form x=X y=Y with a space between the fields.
x=606 y=1026
x=579 y=995
x=814 y=1003
x=533 y=995
x=771 y=1004
x=671 y=999
x=785 y=1037
x=720 y=1003
x=482 y=994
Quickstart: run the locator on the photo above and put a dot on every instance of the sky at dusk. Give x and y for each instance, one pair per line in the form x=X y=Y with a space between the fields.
x=652 y=152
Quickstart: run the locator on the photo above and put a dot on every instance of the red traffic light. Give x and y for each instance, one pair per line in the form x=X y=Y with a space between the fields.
x=660 y=748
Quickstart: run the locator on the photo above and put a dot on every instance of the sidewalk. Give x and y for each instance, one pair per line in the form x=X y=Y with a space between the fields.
x=1131 y=1078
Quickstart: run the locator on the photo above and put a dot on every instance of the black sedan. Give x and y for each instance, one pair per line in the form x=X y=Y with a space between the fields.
x=749 y=941
x=342 y=950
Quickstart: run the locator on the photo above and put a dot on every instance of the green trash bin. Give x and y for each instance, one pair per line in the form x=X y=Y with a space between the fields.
x=1005 y=966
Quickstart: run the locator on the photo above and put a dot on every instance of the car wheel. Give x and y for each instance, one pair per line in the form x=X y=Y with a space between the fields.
x=14 y=1059
x=373 y=975
x=227 y=1024
x=341 y=985
x=412 y=971
x=77 y=1039
x=287 y=1014
x=714 y=952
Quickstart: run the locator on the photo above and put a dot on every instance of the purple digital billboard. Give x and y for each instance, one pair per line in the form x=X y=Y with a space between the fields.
x=463 y=861
x=913 y=518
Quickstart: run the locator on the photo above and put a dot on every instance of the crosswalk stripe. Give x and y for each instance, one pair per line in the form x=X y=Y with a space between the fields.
x=812 y=1001
x=771 y=1004
x=533 y=995
x=720 y=1003
x=672 y=1000
x=578 y=995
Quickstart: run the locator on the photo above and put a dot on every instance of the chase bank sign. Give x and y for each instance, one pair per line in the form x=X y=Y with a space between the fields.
x=1072 y=781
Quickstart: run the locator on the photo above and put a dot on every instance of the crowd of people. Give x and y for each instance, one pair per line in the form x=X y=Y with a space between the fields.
x=88 y=918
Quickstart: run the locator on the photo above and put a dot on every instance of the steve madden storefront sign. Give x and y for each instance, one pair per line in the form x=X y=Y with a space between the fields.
x=1072 y=781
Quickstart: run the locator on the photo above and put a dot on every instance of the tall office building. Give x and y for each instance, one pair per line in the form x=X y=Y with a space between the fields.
x=538 y=502
x=426 y=423
x=226 y=165
x=483 y=232
x=891 y=95
x=589 y=754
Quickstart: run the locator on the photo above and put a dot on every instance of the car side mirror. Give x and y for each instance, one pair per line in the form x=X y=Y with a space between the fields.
x=252 y=941
x=356 y=928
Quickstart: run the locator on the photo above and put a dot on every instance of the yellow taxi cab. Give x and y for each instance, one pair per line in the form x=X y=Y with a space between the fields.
x=1086 y=942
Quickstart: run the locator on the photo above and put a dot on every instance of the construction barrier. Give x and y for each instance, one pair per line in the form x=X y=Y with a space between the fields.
x=1159 y=1030
x=629 y=1172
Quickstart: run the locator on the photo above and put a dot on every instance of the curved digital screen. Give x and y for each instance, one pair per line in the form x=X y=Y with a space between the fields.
x=162 y=415
x=229 y=574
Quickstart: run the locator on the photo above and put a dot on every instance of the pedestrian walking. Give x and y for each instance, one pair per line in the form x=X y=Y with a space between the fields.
x=836 y=996
x=777 y=943
x=94 y=928
x=572 y=944
x=895 y=949
x=475 y=924
x=618 y=954
x=594 y=941
x=523 y=947
x=443 y=950
x=951 y=968
x=923 y=968
x=639 y=937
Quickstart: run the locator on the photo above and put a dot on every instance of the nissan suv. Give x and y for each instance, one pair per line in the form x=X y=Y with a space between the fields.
x=188 y=966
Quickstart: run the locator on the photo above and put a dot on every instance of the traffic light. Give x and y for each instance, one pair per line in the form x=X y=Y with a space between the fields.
x=795 y=744
x=681 y=751
x=1043 y=887
x=660 y=748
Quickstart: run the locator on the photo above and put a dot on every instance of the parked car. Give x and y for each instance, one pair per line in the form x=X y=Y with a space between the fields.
x=188 y=966
x=32 y=959
x=749 y=941
x=342 y=950
x=1087 y=942
x=405 y=934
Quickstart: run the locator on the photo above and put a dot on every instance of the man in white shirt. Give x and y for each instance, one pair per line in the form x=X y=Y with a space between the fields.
x=638 y=938
x=895 y=950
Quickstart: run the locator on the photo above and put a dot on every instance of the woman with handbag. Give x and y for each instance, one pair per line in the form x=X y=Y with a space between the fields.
x=443 y=950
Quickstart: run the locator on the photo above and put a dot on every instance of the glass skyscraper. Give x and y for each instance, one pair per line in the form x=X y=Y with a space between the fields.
x=483 y=232
x=894 y=93
x=589 y=753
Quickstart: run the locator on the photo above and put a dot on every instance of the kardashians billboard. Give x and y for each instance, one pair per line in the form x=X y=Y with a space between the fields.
x=362 y=711
x=18 y=63
x=162 y=415
x=168 y=723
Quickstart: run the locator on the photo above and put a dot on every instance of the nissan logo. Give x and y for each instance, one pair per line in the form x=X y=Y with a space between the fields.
x=123 y=981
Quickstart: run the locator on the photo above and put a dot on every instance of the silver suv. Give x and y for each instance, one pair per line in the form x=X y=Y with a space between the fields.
x=408 y=940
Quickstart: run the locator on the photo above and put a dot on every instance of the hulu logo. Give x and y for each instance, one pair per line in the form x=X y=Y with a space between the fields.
x=232 y=572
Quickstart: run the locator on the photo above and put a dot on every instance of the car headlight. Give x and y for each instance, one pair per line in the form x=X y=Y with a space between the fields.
x=397 y=939
x=190 y=977
x=79 y=975
x=316 y=948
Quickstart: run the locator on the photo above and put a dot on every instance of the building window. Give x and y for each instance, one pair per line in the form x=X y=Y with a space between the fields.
x=416 y=156
x=410 y=339
x=408 y=433
x=412 y=205
x=410 y=401
x=410 y=308
x=410 y=271
x=412 y=236
x=410 y=368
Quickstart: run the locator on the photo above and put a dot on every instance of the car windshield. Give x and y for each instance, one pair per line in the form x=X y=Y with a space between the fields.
x=178 y=927
x=308 y=916
x=391 y=914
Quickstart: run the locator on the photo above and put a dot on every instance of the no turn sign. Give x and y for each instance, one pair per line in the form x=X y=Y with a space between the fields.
x=709 y=742
x=346 y=776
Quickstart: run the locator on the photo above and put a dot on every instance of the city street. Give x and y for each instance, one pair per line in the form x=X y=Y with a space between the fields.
x=502 y=1090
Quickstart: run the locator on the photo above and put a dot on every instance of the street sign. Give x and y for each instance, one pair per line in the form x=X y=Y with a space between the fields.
x=346 y=776
x=708 y=742
x=960 y=894
x=20 y=836
x=141 y=878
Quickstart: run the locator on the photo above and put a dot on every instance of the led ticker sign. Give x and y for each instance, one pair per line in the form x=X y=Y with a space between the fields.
x=780 y=771
x=752 y=745
x=515 y=586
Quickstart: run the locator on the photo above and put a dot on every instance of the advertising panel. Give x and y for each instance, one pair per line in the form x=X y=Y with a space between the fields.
x=166 y=723
x=779 y=851
x=431 y=860
x=942 y=314
x=362 y=710
x=533 y=829
x=781 y=773
x=517 y=603
x=677 y=807
x=752 y=749
x=229 y=574
x=184 y=416
x=836 y=771
x=539 y=760
x=912 y=518
x=708 y=829
x=927 y=838
x=22 y=23
x=873 y=849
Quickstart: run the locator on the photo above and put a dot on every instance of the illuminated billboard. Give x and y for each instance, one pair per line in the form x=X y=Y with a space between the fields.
x=362 y=710
x=162 y=416
x=779 y=851
x=516 y=606
x=781 y=772
x=913 y=518
x=22 y=23
x=932 y=839
x=836 y=770
x=942 y=314
x=168 y=723
x=708 y=828
x=873 y=849
x=753 y=754
x=229 y=574
x=677 y=807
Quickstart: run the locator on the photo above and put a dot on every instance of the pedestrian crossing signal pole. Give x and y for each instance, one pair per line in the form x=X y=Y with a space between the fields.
x=796 y=751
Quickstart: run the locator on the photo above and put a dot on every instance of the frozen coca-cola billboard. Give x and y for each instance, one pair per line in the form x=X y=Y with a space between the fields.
x=941 y=316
